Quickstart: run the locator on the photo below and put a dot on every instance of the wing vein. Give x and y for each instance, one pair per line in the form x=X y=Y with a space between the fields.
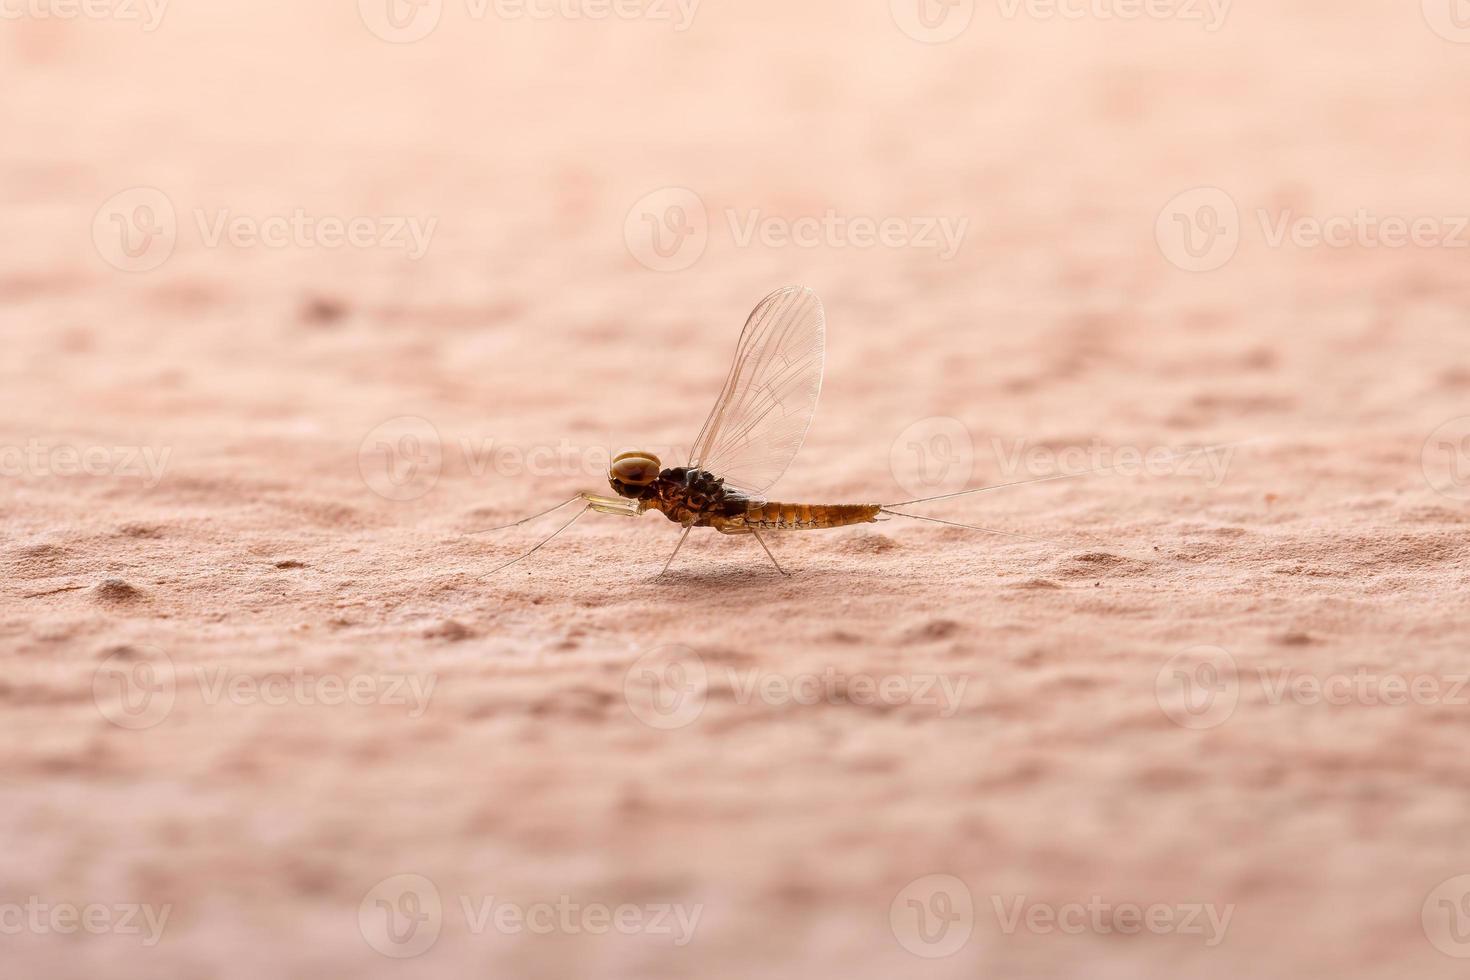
x=770 y=395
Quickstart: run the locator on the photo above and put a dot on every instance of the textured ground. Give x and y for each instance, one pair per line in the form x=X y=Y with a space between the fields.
x=172 y=734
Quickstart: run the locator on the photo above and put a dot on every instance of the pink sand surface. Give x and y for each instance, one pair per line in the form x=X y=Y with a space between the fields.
x=210 y=710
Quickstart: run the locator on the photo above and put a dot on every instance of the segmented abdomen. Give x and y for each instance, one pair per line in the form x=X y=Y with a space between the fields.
x=802 y=517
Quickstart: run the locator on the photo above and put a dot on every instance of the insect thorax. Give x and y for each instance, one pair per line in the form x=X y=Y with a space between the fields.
x=697 y=491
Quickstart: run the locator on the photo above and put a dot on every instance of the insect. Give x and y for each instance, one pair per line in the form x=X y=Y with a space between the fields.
x=754 y=431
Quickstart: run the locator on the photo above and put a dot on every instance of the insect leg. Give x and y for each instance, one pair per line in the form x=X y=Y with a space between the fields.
x=544 y=541
x=768 y=552
x=676 y=551
x=525 y=520
x=613 y=505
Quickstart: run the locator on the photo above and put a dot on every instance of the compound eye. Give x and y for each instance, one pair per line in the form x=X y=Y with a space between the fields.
x=636 y=469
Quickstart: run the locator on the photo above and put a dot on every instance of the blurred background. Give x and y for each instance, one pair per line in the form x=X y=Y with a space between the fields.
x=249 y=248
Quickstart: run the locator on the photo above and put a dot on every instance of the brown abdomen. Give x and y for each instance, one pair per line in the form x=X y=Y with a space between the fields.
x=804 y=517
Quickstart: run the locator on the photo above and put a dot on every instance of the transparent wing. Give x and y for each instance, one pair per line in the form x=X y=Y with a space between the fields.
x=767 y=404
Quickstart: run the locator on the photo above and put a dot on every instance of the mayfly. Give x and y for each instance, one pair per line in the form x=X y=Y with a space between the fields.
x=756 y=428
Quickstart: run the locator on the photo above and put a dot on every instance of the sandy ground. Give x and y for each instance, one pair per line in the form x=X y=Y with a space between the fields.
x=267 y=714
